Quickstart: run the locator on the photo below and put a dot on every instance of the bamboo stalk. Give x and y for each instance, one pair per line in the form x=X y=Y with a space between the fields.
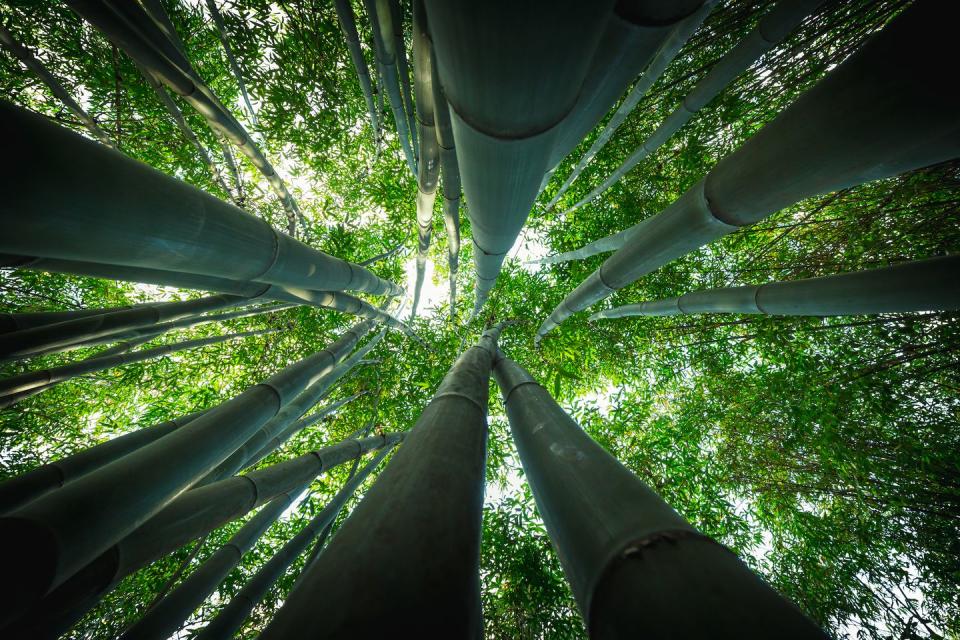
x=450 y=170
x=232 y=60
x=858 y=138
x=29 y=320
x=633 y=563
x=772 y=29
x=30 y=61
x=113 y=210
x=381 y=256
x=921 y=285
x=403 y=71
x=349 y=27
x=427 y=504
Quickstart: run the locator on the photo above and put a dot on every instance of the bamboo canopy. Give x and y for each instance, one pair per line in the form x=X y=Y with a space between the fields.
x=839 y=126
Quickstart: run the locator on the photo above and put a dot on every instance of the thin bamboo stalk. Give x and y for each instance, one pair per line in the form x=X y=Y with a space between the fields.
x=427 y=503
x=231 y=617
x=403 y=71
x=232 y=60
x=349 y=27
x=30 y=61
x=620 y=544
x=921 y=285
x=450 y=170
x=839 y=126
x=772 y=29
x=114 y=210
x=381 y=256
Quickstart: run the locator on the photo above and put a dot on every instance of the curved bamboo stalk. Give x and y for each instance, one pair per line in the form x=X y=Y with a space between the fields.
x=432 y=589
x=428 y=164
x=229 y=619
x=510 y=84
x=190 y=516
x=450 y=170
x=857 y=139
x=771 y=31
x=65 y=530
x=232 y=60
x=921 y=285
x=143 y=39
x=620 y=544
x=383 y=45
x=52 y=337
x=30 y=61
x=36 y=381
x=28 y=486
x=349 y=27
x=403 y=71
x=669 y=48
x=114 y=210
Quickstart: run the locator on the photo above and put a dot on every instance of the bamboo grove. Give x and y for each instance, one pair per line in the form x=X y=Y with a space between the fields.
x=456 y=319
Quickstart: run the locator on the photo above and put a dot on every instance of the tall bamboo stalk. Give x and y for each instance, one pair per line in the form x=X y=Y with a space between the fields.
x=107 y=208
x=52 y=538
x=635 y=566
x=232 y=60
x=770 y=31
x=30 y=319
x=510 y=84
x=403 y=71
x=349 y=27
x=920 y=285
x=37 y=381
x=28 y=486
x=427 y=504
x=49 y=338
x=450 y=170
x=428 y=162
x=30 y=61
x=839 y=127
x=229 y=619
x=669 y=47
x=143 y=39
x=381 y=23
x=381 y=256
x=187 y=518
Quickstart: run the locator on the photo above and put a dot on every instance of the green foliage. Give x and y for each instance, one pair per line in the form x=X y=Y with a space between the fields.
x=825 y=451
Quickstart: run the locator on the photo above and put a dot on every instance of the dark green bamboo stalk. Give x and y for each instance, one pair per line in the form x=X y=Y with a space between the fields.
x=840 y=127
x=613 y=67
x=188 y=517
x=110 y=209
x=385 y=49
x=403 y=71
x=349 y=27
x=30 y=61
x=413 y=544
x=229 y=619
x=428 y=162
x=28 y=486
x=922 y=285
x=50 y=539
x=46 y=378
x=635 y=566
x=510 y=84
x=381 y=256
x=232 y=60
x=771 y=30
x=51 y=337
x=28 y=320
x=451 y=184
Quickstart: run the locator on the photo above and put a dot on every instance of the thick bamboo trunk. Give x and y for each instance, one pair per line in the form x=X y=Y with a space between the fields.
x=109 y=209
x=349 y=27
x=144 y=39
x=412 y=545
x=36 y=381
x=52 y=337
x=771 y=30
x=190 y=516
x=635 y=566
x=450 y=170
x=618 y=48
x=381 y=23
x=510 y=84
x=30 y=61
x=428 y=162
x=922 y=285
x=231 y=617
x=232 y=60
x=48 y=540
x=28 y=320
x=21 y=489
x=840 y=127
